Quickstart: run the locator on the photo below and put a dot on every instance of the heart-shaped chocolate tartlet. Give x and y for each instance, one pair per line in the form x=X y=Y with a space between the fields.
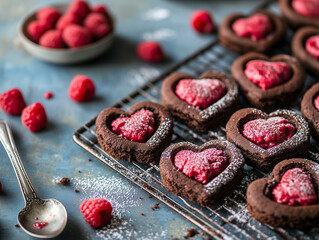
x=264 y=145
x=299 y=45
x=235 y=36
x=185 y=96
x=141 y=134
x=289 y=198
x=298 y=15
x=220 y=178
x=310 y=109
x=288 y=80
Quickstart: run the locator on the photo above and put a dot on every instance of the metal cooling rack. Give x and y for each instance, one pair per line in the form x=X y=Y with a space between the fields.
x=226 y=220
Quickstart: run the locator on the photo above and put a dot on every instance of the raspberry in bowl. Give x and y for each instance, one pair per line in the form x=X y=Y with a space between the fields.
x=67 y=33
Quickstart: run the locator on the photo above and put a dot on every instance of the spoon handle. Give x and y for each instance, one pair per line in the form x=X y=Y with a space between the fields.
x=7 y=141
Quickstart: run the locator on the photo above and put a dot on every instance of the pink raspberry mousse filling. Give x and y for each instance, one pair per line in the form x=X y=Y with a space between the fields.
x=316 y=102
x=201 y=166
x=137 y=128
x=200 y=93
x=256 y=27
x=270 y=132
x=266 y=74
x=312 y=46
x=309 y=8
x=295 y=188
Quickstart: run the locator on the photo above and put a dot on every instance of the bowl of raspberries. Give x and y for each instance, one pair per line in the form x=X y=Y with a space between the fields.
x=67 y=33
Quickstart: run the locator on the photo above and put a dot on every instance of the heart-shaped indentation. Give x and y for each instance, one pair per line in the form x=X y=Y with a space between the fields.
x=223 y=178
x=289 y=197
x=309 y=8
x=200 y=93
x=268 y=82
x=307 y=52
x=256 y=26
x=218 y=102
x=140 y=134
x=259 y=157
x=267 y=74
x=258 y=32
x=310 y=109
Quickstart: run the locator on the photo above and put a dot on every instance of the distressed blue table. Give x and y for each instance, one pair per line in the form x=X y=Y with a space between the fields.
x=51 y=154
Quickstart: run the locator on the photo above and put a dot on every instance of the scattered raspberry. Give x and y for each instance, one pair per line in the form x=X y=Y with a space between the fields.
x=256 y=27
x=76 y=36
x=96 y=212
x=97 y=24
x=312 y=46
x=202 y=22
x=316 y=103
x=309 y=8
x=79 y=8
x=12 y=101
x=81 y=88
x=267 y=74
x=100 y=8
x=48 y=95
x=201 y=166
x=270 y=132
x=67 y=20
x=37 y=28
x=138 y=128
x=34 y=117
x=295 y=188
x=48 y=14
x=200 y=93
x=52 y=39
x=150 y=51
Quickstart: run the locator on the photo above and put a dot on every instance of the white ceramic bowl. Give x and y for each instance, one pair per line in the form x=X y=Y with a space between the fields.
x=65 y=55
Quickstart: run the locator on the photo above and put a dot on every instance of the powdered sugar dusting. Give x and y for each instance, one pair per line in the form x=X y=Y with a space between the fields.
x=157 y=14
x=160 y=34
x=161 y=133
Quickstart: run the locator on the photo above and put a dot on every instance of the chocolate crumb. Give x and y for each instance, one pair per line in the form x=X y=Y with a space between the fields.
x=152 y=208
x=142 y=214
x=150 y=196
x=64 y=181
x=90 y=160
x=140 y=198
x=16 y=225
x=75 y=190
x=79 y=171
x=191 y=232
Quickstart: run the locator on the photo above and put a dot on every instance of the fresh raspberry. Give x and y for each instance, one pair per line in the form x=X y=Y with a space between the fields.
x=295 y=188
x=48 y=95
x=316 y=102
x=312 y=46
x=137 y=128
x=12 y=101
x=267 y=74
x=309 y=8
x=67 y=20
x=200 y=93
x=34 y=117
x=81 y=88
x=202 y=22
x=96 y=212
x=52 y=39
x=97 y=24
x=256 y=27
x=37 y=28
x=100 y=8
x=76 y=36
x=48 y=14
x=270 y=132
x=201 y=166
x=79 y=8
x=150 y=51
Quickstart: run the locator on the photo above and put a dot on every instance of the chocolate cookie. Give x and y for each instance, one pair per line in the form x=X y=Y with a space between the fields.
x=280 y=95
x=265 y=158
x=204 y=194
x=309 y=110
x=121 y=148
x=194 y=117
x=261 y=205
x=231 y=40
x=295 y=19
x=300 y=52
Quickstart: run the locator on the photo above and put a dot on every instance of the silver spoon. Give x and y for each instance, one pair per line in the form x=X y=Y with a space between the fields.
x=46 y=211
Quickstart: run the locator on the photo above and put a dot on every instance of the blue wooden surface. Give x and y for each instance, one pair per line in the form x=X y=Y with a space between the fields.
x=51 y=154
